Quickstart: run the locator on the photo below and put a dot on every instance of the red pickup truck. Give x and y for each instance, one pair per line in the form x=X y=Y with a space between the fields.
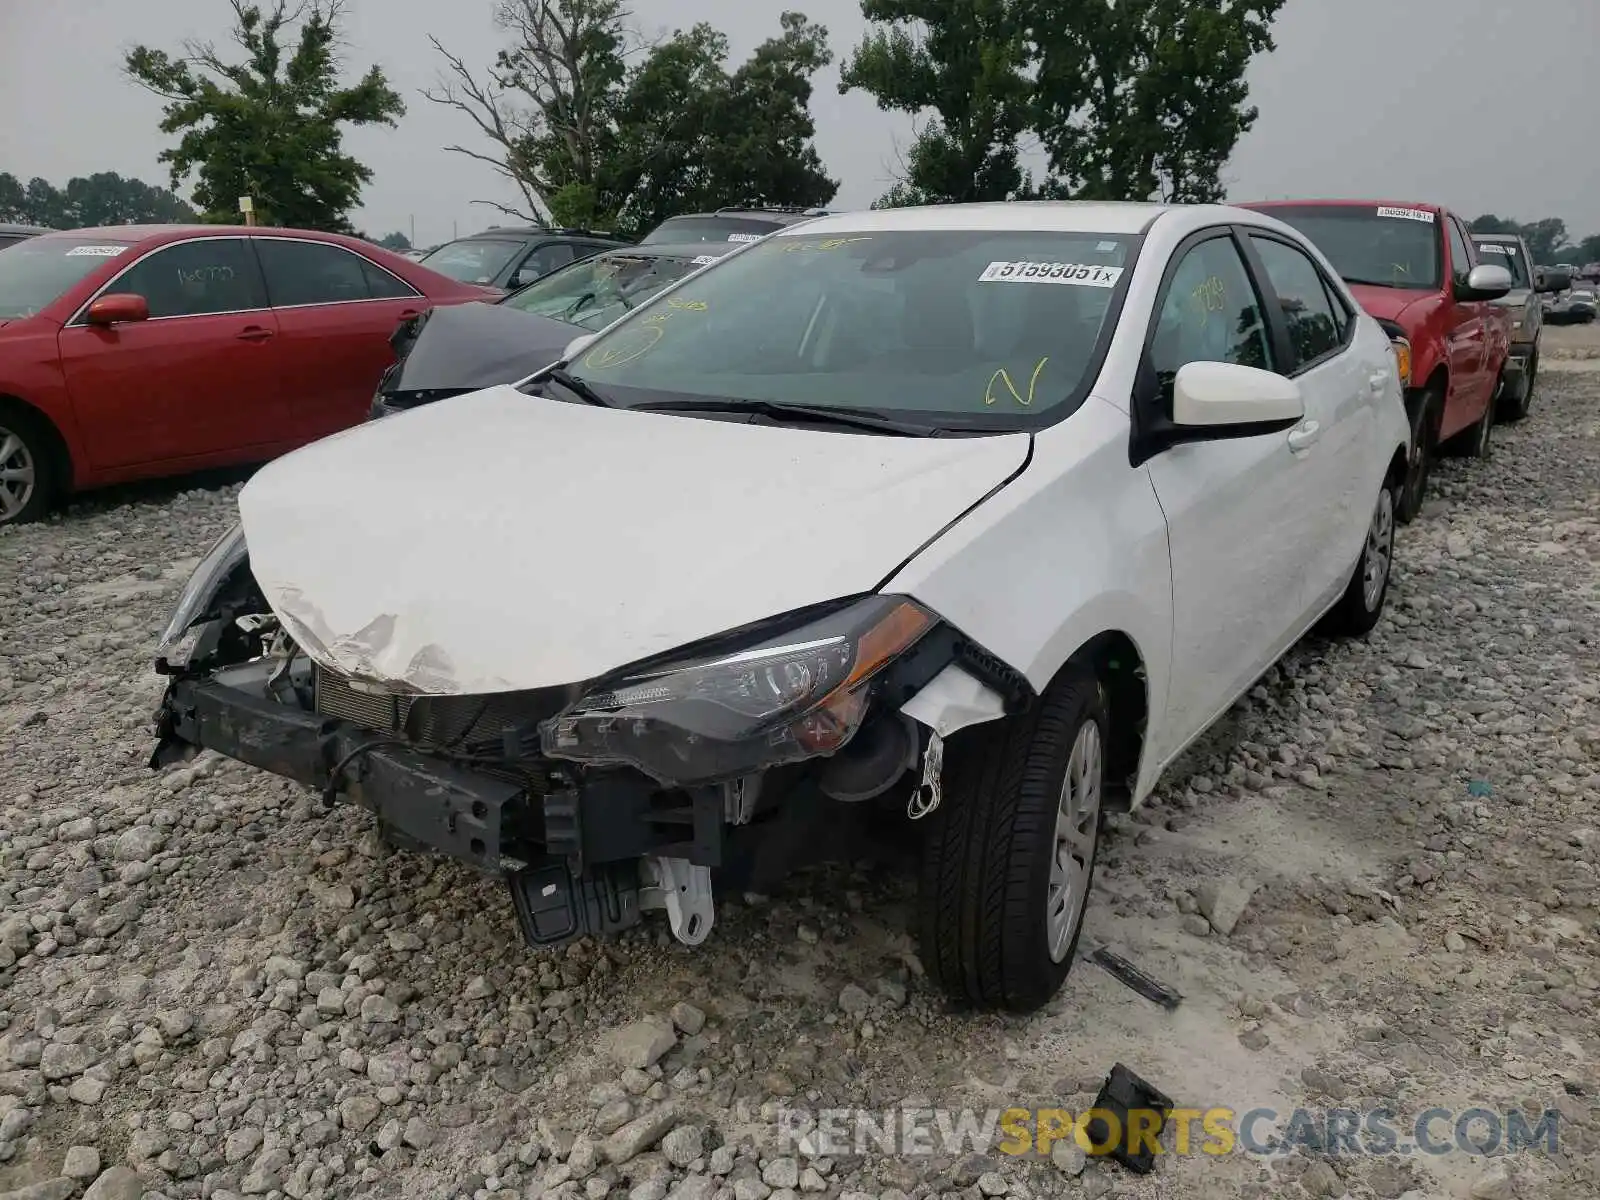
x=1412 y=267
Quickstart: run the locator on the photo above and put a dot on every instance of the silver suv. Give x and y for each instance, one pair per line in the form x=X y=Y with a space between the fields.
x=1528 y=283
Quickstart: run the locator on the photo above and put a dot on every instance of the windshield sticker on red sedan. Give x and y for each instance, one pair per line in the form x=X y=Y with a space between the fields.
x=95 y=251
x=1076 y=274
x=1407 y=214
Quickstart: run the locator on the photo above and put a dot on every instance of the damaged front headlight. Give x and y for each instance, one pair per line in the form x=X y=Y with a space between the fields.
x=798 y=695
x=216 y=567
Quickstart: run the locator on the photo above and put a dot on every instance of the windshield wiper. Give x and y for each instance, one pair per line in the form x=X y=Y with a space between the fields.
x=822 y=414
x=579 y=388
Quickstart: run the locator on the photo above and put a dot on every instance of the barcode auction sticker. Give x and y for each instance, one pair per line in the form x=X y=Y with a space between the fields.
x=756 y=237
x=95 y=251
x=1076 y=274
x=703 y=260
x=1408 y=214
x=1491 y=248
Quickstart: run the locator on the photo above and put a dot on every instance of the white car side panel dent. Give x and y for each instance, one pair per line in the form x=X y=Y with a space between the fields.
x=1073 y=548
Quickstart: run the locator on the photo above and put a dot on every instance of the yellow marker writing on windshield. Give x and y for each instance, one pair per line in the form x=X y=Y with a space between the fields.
x=1004 y=377
x=691 y=305
x=824 y=244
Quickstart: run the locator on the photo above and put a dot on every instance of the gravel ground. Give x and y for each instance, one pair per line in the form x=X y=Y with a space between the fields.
x=209 y=988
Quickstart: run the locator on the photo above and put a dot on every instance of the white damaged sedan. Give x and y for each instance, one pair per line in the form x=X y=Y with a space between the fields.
x=964 y=519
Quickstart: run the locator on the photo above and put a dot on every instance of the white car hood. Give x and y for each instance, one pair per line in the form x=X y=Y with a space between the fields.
x=499 y=541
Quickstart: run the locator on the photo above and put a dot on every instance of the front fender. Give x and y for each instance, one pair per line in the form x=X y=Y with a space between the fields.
x=1073 y=548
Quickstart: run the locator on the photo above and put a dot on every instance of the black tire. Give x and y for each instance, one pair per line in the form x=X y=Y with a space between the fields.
x=26 y=446
x=1510 y=410
x=986 y=865
x=1476 y=441
x=1425 y=409
x=1360 y=608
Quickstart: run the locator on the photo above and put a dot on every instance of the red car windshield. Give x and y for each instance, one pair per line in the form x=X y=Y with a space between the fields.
x=37 y=272
x=1378 y=245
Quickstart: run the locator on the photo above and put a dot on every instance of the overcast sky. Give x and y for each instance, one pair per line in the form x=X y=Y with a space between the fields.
x=1481 y=105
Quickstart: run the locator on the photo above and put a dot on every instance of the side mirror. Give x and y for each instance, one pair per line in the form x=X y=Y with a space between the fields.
x=1232 y=400
x=577 y=346
x=115 y=308
x=1485 y=282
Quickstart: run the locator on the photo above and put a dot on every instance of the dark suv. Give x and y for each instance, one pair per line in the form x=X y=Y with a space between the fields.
x=728 y=225
x=514 y=257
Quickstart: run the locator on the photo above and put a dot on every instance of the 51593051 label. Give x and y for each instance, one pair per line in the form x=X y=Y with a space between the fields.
x=1075 y=274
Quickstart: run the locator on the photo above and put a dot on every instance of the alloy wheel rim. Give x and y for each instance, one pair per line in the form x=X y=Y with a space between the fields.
x=1379 y=552
x=1077 y=828
x=17 y=474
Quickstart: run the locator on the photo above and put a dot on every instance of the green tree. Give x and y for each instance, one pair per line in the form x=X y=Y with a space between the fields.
x=1490 y=223
x=269 y=127
x=1143 y=99
x=104 y=198
x=396 y=241
x=589 y=140
x=965 y=62
x=1547 y=238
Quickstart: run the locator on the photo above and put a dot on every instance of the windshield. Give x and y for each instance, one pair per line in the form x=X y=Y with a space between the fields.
x=1379 y=245
x=709 y=229
x=1507 y=255
x=597 y=291
x=472 y=260
x=973 y=328
x=36 y=272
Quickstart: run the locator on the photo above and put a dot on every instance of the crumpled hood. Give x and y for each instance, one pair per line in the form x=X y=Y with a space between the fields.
x=498 y=541
x=475 y=345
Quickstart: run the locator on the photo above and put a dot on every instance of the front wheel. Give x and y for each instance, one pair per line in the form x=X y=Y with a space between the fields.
x=27 y=474
x=1009 y=856
x=1516 y=409
x=1361 y=605
x=1425 y=411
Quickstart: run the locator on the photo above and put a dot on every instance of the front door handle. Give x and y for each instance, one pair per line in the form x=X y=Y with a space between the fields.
x=254 y=333
x=1303 y=437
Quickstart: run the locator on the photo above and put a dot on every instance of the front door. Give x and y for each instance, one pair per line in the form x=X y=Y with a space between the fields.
x=1238 y=525
x=1467 y=341
x=198 y=380
x=1340 y=396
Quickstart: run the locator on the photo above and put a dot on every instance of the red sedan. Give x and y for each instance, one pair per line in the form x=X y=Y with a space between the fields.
x=144 y=350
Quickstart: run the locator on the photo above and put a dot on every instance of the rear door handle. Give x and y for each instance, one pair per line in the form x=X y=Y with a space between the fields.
x=1303 y=437
x=254 y=333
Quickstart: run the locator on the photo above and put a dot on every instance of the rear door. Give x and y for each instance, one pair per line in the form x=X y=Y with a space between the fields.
x=1315 y=332
x=200 y=379
x=335 y=310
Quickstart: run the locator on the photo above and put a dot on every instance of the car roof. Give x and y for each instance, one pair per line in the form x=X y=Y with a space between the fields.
x=1065 y=216
x=141 y=233
x=502 y=232
x=1495 y=237
x=1342 y=202
x=10 y=227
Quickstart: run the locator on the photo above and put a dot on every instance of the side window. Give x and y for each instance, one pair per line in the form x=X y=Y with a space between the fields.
x=1314 y=327
x=546 y=259
x=383 y=286
x=192 y=279
x=1210 y=314
x=1460 y=257
x=302 y=273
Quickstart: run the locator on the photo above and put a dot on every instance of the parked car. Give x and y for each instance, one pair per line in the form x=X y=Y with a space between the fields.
x=1581 y=305
x=682 y=604
x=143 y=350
x=464 y=347
x=511 y=258
x=10 y=235
x=1412 y=267
x=1524 y=302
x=728 y=225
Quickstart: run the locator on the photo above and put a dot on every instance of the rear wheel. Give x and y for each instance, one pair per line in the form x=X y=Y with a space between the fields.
x=1009 y=855
x=1426 y=407
x=27 y=467
x=1361 y=605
